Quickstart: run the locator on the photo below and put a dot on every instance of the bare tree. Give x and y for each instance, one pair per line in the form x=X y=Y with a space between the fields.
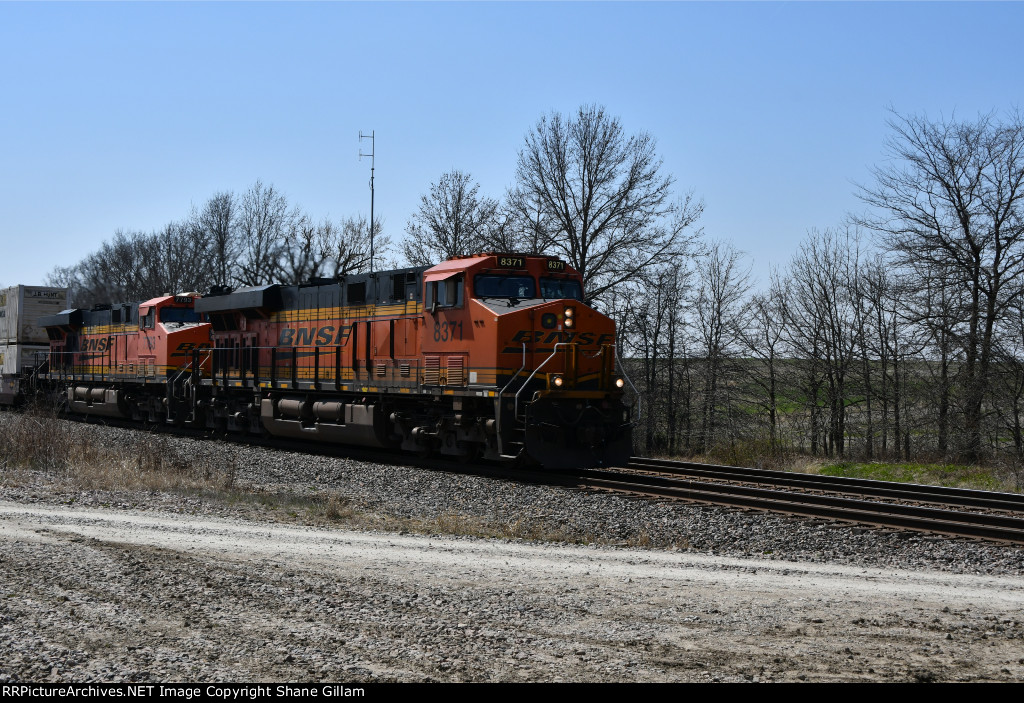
x=348 y=248
x=329 y=250
x=451 y=221
x=723 y=283
x=300 y=258
x=521 y=226
x=652 y=308
x=1009 y=376
x=601 y=197
x=821 y=319
x=761 y=332
x=937 y=304
x=217 y=224
x=67 y=277
x=118 y=270
x=952 y=198
x=177 y=259
x=263 y=221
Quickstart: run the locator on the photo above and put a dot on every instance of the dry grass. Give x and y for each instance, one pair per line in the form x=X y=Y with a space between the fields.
x=803 y=464
x=37 y=448
x=38 y=442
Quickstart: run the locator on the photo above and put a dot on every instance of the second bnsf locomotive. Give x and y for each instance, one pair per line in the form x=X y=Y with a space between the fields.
x=491 y=356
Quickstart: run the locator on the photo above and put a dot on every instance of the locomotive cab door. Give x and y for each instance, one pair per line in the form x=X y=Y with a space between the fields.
x=447 y=329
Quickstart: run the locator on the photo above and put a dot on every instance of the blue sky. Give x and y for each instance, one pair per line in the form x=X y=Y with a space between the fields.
x=124 y=115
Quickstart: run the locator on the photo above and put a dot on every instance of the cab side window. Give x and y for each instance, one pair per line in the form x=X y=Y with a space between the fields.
x=445 y=294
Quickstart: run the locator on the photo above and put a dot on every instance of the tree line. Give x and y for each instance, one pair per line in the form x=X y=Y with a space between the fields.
x=234 y=240
x=896 y=333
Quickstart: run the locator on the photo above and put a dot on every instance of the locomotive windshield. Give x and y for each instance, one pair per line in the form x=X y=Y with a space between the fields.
x=559 y=288
x=178 y=315
x=487 y=285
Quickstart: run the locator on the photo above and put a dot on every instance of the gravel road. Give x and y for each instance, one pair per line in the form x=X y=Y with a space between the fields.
x=136 y=586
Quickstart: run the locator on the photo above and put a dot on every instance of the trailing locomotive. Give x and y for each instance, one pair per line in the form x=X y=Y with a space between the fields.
x=490 y=356
x=132 y=360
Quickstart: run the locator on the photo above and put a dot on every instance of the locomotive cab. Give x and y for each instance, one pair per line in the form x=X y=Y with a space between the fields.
x=517 y=328
x=172 y=334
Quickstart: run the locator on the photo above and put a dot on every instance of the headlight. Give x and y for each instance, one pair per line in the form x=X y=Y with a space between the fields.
x=569 y=322
x=557 y=381
x=619 y=383
x=569 y=312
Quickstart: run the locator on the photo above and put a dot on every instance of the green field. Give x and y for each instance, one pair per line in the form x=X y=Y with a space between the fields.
x=952 y=475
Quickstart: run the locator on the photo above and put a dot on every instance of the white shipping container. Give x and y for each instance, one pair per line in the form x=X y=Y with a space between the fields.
x=16 y=358
x=20 y=310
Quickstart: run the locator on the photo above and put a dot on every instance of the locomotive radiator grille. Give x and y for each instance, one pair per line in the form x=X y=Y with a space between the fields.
x=431 y=370
x=456 y=369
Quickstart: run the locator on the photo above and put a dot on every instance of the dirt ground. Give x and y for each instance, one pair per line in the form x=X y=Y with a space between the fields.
x=117 y=595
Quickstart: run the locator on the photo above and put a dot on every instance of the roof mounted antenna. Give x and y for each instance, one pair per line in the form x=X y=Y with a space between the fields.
x=369 y=136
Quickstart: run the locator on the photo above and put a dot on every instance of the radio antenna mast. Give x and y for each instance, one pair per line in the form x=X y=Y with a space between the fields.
x=369 y=136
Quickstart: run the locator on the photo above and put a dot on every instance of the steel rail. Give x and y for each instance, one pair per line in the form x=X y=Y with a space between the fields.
x=955 y=523
x=993 y=500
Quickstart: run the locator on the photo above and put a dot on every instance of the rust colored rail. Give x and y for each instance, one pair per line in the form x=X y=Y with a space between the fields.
x=998 y=527
x=959 y=497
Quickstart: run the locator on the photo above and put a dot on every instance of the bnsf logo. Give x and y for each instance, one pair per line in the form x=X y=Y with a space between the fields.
x=538 y=337
x=314 y=336
x=97 y=345
x=185 y=348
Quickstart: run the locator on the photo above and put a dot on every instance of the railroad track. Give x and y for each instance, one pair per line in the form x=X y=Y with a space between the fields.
x=905 y=492
x=995 y=516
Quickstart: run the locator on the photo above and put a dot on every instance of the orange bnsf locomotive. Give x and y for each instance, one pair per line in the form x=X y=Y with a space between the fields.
x=491 y=356
x=131 y=360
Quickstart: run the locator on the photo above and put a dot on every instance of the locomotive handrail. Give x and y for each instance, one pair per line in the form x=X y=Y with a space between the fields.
x=39 y=361
x=188 y=368
x=622 y=369
x=502 y=394
x=554 y=351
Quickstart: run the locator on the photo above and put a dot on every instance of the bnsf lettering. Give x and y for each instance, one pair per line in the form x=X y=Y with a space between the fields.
x=314 y=336
x=97 y=345
x=185 y=347
x=540 y=337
